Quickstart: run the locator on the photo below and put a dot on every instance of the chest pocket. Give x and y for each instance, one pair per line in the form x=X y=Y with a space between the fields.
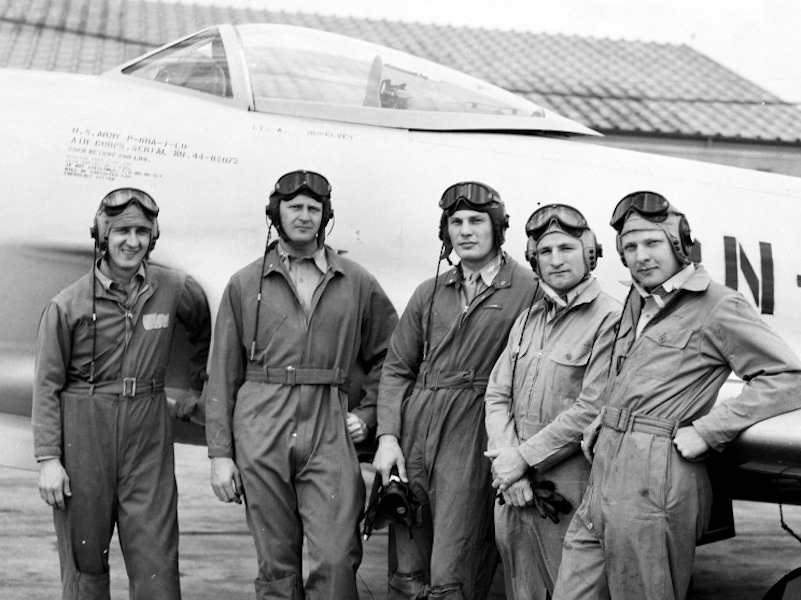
x=566 y=366
x=662 y=350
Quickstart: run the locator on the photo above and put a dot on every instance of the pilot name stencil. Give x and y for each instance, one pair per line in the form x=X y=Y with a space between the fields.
x=112 y=155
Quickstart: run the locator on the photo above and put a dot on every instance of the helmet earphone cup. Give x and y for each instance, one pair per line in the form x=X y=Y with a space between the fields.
x=685 y=239
x=531 y=253
x=592 y=249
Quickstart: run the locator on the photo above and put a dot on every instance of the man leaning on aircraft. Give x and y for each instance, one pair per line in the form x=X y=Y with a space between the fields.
x=680 y=336
x=102 y=432
x=290 y=328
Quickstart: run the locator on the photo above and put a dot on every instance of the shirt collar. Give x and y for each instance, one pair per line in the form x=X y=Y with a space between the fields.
x=487 y=273
x=317 y=257
x=668 y=286
x=107 y=281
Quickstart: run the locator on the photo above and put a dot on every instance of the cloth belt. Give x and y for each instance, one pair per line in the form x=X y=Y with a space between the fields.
x=130 y=387
x=435 y=380
x=297 y=376
x=621 y=419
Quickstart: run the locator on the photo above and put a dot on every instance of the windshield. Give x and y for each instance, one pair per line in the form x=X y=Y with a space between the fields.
x=198 y=63
x=323 y=68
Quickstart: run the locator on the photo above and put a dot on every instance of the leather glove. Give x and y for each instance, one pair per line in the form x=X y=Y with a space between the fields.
x=548 y=502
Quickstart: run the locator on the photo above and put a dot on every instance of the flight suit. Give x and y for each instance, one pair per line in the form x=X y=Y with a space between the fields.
x=634 y=534
x=559 y=363
x=282 y=417
x=114 y=437
x=436 y=409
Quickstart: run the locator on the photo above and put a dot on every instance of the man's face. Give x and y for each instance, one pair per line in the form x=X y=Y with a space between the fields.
x=300 y=219
x=649 y=256
x=560 y=259
x=127 y=246
x=471 y=237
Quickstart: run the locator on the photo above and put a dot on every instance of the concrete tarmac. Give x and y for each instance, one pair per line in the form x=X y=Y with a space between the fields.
x=218 y=558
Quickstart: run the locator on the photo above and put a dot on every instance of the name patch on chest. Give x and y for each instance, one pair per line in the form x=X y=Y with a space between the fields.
x=155 y=321
x=493 y=306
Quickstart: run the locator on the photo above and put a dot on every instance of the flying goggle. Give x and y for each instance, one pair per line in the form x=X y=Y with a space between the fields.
x=471 y=192
x=293 y=183
x=567 y=218
x=117 y=201
x=650 y=205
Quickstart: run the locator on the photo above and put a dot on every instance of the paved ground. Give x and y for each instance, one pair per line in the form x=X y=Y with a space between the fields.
x=218 y=558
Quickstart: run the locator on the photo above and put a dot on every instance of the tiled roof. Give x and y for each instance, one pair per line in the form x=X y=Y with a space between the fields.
x=614 y=86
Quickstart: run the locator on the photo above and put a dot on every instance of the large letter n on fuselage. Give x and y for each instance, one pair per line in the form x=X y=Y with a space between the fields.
x=735 y=254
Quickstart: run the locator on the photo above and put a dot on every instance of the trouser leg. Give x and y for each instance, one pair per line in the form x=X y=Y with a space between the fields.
x=656 y=505
x=582 y=573
x=412 y=551
x=463 y=551
x=330 y=492
x=530 y=546
x=274 y=523
x=148 y=501
x=521 y=553
x=451 y=477
x=85 y=526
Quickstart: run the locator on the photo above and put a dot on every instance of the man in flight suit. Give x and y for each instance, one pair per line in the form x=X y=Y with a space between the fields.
x=102 y=430
x=543 y=393
x=680 y=336
x=277 y=421
x=431 y=401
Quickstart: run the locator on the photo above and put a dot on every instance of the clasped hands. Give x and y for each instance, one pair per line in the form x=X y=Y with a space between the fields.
x=509 y=476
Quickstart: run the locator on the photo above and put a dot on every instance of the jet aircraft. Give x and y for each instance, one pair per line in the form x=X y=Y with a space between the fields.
x=208 y=123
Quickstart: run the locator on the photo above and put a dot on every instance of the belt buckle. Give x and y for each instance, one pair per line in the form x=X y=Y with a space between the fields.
x=426 y=379
x=291 y=375
x=623 y=419
x=129 y=387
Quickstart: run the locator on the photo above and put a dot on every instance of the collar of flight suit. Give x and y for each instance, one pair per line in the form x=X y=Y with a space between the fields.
x=697 y=282
x=663 y=291
x=587 y=291
x=553 y=298
x=487 y=273
x=503 y=278
x=104 y=282
x=317 y=257
x=274 y=261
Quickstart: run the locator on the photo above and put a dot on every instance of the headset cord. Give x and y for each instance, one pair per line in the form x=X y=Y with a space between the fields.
x=258 y=296
x=516 y=356
x=427 y=340
x=94 y=315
